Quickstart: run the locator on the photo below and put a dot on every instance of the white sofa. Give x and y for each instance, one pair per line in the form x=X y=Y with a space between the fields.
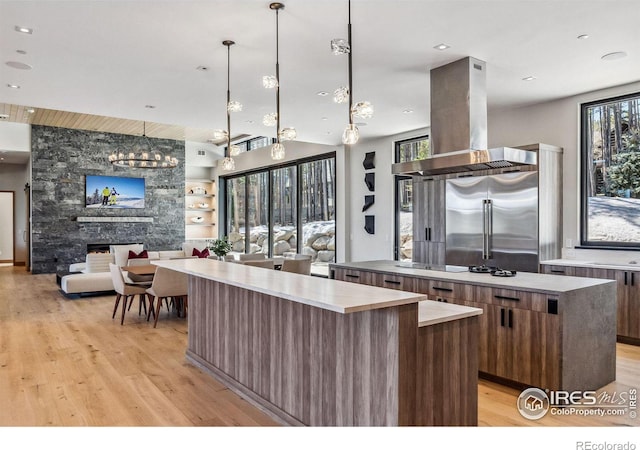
x=93 y=275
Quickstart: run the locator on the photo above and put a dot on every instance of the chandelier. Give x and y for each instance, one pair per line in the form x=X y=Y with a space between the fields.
x=143 y=157
x=228 y=162
x=273 y=82
x=343 y=94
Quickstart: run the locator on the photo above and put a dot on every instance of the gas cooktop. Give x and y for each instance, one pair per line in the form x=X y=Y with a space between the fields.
x=495 y=271
x=437 y=267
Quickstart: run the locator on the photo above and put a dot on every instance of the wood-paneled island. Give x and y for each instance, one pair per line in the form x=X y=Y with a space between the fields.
x=313 y=351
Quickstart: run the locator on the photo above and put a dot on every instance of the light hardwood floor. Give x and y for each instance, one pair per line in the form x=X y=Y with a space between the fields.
x=67 y=363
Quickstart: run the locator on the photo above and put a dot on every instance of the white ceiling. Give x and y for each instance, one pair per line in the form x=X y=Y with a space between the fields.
x=112 y=58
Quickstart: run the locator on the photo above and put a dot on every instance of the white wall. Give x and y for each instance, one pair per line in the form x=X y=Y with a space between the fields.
x=13 y=177
x=6 y=226
x=211 y=154
x=558 y=123
x=364 y=246
x=15 y=137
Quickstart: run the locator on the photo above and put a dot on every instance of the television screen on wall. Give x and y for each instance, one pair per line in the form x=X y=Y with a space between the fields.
x=113 y=192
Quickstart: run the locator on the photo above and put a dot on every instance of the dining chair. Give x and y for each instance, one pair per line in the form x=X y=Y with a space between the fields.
x=302 y=266
x=127 y=291
x=251 y=256
x=229 y=257
x=167 y=284
x=267 y=263
x=138 y=262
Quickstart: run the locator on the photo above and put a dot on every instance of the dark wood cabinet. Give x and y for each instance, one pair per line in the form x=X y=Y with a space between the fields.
x=428 y=220
x=628 y=293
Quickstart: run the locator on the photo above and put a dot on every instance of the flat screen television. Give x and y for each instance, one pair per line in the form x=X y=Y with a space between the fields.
x=107 y=192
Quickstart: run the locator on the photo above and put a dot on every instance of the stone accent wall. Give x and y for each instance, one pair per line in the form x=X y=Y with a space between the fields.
x=61 y=158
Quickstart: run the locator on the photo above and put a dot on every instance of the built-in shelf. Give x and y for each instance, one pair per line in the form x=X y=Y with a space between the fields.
x=201 y=224
x=200 y=195
x=200 y=209
x=115 y=219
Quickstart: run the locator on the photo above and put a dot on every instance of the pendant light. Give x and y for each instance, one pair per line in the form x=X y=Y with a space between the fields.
x=343 y=94
x=228 y=162
x=273 y=82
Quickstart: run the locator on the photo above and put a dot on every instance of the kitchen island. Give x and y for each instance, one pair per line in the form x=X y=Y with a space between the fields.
x=312 y=351
x=552 y=332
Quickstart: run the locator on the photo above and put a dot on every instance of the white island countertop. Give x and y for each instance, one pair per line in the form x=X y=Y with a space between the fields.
x=593 y=265
x=332 y=295
x=432 y=313
x=535 y=282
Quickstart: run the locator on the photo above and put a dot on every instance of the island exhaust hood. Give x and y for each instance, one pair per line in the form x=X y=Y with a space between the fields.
x=459 y=125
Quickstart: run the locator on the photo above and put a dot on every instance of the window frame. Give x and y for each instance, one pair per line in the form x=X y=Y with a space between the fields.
x=584 y=172
x=398 y=179
x=297 y=164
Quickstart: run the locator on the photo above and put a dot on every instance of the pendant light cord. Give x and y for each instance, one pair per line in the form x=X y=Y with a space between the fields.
x=228 y=99
x=277 y=79
x=350 y=67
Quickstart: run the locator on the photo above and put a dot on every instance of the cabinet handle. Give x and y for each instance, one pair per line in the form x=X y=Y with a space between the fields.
x=501 y=317
x=557 y=271
x=436 y=288
x=392 y=282
x=352 y=276
x=625 y=278
x=632 y=278
x=504 y=297
x=510 y=318
x=429 y=238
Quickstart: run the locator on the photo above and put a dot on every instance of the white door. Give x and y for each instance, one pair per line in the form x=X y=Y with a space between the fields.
x=6 y=227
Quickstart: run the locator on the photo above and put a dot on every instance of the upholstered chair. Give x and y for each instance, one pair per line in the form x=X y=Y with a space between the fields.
x=267 y=264
x=251 y=256
x=126 y=291
x=168 y=284
x=302 y=266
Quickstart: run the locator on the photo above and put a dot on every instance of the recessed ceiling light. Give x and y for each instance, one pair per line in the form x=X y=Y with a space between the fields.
x=149 y=106
x=583 y=36
x=22 y=52
x=614 y=55
x=13 y=86
x=328 y=132
x=249 y=121
x=324 y=118
x=322 y=93
x=18 y=65
x=26 y=30
x=529 y=78
x=202 y=68
x=407 y=111
x=441 y=47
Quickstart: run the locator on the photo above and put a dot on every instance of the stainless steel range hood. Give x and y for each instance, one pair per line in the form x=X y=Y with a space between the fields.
x=459 y=125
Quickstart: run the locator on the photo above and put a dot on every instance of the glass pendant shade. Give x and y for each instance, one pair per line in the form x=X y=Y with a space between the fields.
x=270 y=120
x=269 y=82
x=234 y=106
x=228 y=163
x=340 y=47
x=220 y=134
x=235 y=150
x=363 y=110
x=288 y=134
x=350 y=135
x=341 y=95
x=277 y=151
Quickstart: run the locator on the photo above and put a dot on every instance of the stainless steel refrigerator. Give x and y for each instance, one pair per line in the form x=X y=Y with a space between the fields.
x=493 y=220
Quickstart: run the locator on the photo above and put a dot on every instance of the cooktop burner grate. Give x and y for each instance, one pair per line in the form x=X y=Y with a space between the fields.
x=481 y=269
x=503 y=273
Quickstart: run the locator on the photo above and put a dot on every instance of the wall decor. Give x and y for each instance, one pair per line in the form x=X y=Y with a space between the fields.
x=104 y=191
x=370 y=224
x=369 y=160
x=368 y=201
x=370 y=181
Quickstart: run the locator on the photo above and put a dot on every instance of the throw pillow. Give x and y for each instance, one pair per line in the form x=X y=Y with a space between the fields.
x=134 y=255
x=200 y=254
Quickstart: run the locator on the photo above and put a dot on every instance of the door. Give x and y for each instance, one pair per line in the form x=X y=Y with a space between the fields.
x=464 y=220
x=6 y=228
x=513 y=226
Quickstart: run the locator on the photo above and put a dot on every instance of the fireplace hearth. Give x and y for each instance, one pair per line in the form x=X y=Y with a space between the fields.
x=104 y=248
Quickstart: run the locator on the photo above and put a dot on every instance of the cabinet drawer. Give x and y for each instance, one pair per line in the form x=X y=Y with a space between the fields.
x=532 y=301
x=448 y=291
x=558 y=270
x=399 y=282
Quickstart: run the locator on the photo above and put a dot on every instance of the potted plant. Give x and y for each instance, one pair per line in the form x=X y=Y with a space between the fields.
x=220 y=246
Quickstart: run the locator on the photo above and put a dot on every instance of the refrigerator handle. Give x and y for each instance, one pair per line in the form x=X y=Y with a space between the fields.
x=489 y=228
x=485 y=229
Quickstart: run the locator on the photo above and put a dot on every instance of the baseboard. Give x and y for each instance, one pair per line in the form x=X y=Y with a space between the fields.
x=628 y=340
x=5 y=261
x=20 y=263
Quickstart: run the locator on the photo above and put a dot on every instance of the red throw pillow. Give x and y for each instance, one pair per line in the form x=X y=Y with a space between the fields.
x=133 y=255
x=200 y=254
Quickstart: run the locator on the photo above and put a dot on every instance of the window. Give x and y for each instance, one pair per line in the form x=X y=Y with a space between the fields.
x=405 y=151
x=276 y=203
x=611 y=172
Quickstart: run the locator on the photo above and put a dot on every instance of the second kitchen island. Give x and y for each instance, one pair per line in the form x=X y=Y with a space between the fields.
x=551 y=332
